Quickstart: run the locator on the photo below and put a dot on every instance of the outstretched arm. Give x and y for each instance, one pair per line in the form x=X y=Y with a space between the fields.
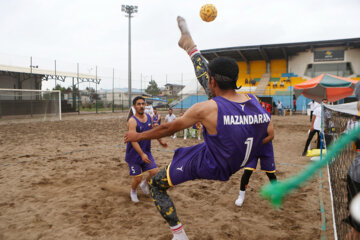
x=191 y=116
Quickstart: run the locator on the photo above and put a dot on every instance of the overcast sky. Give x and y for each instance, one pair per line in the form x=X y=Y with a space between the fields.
x=94 y=32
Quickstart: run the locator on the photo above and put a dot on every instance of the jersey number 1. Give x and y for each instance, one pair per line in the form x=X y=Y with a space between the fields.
x=249 y=143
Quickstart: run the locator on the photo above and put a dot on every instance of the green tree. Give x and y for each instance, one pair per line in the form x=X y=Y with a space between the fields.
x=65 y=90
x=92 y=94
x=152 y=88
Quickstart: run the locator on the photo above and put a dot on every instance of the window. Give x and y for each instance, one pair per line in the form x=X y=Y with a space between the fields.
x=338 y=69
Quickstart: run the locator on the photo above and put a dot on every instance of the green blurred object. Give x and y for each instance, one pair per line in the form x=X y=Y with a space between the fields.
x=277 y=191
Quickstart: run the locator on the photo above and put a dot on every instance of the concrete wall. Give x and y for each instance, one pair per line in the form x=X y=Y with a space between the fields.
x=20 y=81
x=299 y=62
x=353 y=56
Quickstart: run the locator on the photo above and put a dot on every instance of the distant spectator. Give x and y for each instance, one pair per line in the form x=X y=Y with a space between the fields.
x=185 y=131
x=312 y=106
x=279 y=108
x=156 y=118
x=263 y=104
x=328 y=124
x=274 y=109
x=314 y=128
x=268 y=108
x=196 y=131
x=253 y=82
x=169 y=118
x=149 y=108
x=294 y=104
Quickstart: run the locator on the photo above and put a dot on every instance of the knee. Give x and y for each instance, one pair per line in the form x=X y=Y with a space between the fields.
x=153 y=172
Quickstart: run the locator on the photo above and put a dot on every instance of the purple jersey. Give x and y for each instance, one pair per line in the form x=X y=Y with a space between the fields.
x=132 y=157
x=241 y=127
x=155 y=118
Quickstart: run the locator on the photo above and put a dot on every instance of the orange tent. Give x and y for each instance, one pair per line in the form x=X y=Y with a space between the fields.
x=327 y=86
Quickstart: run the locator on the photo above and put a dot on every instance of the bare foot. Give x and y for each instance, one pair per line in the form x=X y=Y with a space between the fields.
x=185 y=41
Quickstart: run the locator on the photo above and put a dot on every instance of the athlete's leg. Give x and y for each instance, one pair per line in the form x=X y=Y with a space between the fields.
x=245 y=179
x=185 y=133
x=311 y=135
x=243 y=185
x=134 y=184
x=318 y=139
x=271 y=176
x=158 y=185
x=152 y=172
x=200 y=64
x=144 y=183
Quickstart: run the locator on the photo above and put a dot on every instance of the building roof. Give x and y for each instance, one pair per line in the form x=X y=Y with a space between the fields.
x=49 y=74
x=175 y=85
x=276 y=51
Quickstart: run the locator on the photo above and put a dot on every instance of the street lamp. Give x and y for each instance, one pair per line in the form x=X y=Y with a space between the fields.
x=129 y=9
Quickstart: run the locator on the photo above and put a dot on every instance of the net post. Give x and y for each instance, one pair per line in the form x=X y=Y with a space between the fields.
x=59 y=104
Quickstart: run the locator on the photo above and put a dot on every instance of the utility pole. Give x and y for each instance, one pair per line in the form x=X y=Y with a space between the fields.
x=129 y=9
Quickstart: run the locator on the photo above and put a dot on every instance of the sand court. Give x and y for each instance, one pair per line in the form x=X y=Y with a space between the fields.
x=69 y=180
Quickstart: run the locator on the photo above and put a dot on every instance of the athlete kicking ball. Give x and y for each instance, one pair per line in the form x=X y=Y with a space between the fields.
x=234 y=127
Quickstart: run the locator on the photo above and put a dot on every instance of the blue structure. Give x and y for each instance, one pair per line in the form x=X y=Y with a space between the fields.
x=190 y=100
x=288 y=75
x=286 y=100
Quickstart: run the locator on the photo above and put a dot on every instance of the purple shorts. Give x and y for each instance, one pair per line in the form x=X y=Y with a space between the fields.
x=266 y=156
x=192 y=163
x=138 y=166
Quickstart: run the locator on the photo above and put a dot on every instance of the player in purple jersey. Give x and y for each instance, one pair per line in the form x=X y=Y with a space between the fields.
x=138 y=154
x=156 y=118
x=267 y=163
x=234 y=126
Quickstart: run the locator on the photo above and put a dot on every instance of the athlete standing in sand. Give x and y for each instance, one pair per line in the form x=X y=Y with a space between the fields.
x=156 y=118
x=234 y=126
x=267 y=163
x=138 y=154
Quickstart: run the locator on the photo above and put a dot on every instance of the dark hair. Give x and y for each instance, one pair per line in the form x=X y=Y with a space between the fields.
x=154 y=108
x=137 y=98
x=225 y=72
x=170 y=109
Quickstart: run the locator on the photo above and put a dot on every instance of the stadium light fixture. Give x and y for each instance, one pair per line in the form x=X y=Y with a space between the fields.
x=129 y=9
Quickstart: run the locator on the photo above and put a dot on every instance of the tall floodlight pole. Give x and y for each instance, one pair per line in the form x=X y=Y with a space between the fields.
x=129 y=10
